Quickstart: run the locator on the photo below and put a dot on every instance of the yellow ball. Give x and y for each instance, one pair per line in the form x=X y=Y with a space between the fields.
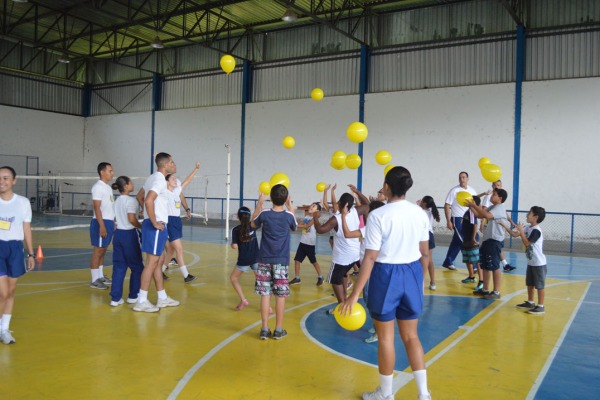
x=483 y=161
x=383 y=157
x=339 y=155
x=280 y=179
x=353 y=321
x=387 y=169
x=321 y=186
x=265 y=188
x=491 y=172
x=357 y=132
x=353 y=161
x=338 y=164
x=317 y=94
x=463 y=197
x=227 y=63
x=288 y=142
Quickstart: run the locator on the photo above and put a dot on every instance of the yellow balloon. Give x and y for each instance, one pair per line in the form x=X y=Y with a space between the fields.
x=383 y=157
x=280 y=179
x=337 y=163
x=353 y=161
x=353 y=321
x=387 y=169
x=288 y=142
x=317 y=94
x=483 y=161
x=357 y=132
x=491 y=172
x=463 y=197
x=227 y=63
x=339 y=155
x=321 y=186
x=265 y=187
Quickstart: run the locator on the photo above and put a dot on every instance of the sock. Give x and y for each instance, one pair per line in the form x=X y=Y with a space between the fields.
x=95 y=274
x=320 y=276
x=5 y=322
x=278 y=329
x=421 y=381
x=539 y=305
x=297 y=277
x=164 y=268
x=504 y=263
x=142 y=296
x=101 y=271
x=162 y=294
x=184 y=271
x=496 y=292
x=385 y=383
x=531 y=302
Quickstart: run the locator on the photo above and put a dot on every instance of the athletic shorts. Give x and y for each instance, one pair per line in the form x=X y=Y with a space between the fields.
x=305 y=250
x=489 y=255
x=396 y=291
x=338 y=272
x=272 y=279
x=12 y=259
x=431 y=241
x=153 y=240
x=247 y=268
x=470 y=254
x=95 y=238
x=175 y=228
x=536 y=276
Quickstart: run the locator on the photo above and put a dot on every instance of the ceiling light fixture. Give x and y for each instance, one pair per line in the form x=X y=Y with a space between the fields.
x=19 y=1
x=63 y=59
x=289 y=16
x=157 y=43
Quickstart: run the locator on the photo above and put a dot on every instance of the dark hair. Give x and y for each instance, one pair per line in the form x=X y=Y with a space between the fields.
x=168 y=176
x=279 y=194
x=375 y=204
x=463 y=172
x=161 y=158
x=346 y=198
x=316 y=203
x=12 y=171
x=399 y=181
x=120 y=183
x=244 y=215
x=539 y=212
x=502 y=193
x=102 y=166
x=430 y=204
x=477 y=200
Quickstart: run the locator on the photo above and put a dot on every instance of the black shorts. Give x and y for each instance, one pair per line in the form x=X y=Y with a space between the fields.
x=338 y=272
x=305 y=250
x=431 y=241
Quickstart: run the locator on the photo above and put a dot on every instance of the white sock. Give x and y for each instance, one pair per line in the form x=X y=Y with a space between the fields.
x=504 y=262
x=162 y=294
x=385 y=383
x=164 y=268
x=5 y=322
x=94 y=274
x=421 y=381
x=184 y=271
x=142 y=296
x=101 y=269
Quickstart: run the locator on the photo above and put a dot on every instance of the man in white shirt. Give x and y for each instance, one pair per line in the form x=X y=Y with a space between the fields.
x=102 y=225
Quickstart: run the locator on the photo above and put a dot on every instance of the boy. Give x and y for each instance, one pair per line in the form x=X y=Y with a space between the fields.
x=470 y=246
x=102 y=225
x=486 y=203
x=274 y=257
x=15 y=226
x=306 y=247
x=491 y=246
x=535 y=277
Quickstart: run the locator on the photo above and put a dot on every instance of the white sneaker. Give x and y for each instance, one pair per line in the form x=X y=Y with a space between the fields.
x=372 y=339
x=168 y=302
x=371 y=330
x=450 y=267
x=145 y=306
x=432 y=287
x=424 y=396
x=7 y=338
x=117 y=303
x=131 y=301
x=376 y=395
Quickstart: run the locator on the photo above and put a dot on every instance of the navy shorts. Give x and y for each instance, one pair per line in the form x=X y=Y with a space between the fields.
x=431 y=241
x=175 y=228
x=396 y=291
x=12 y=260
x=489 y=255
x=305 y=250
x=338 y=272
x=153 y=240
x=95 y=238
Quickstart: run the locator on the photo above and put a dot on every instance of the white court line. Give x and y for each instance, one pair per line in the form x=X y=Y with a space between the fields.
x=190 y=373
x=69 y=255
x=544 y=371
x=53 y=283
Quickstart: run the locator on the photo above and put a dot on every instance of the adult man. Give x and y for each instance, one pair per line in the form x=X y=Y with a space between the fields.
x=102 y=225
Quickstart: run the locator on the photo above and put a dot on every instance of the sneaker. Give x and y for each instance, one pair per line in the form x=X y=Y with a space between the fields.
x=189 y=278
x=98 y=284
x=319 y=281
x=526 y=305
x=450 y=267
x=173 y=261
x=7 y=338
x=479 y=286
x=432 y=286
x=355 y=273
x=376 y=395
x=117 y=303
x=509 y=268
x=265 y=333
x=278 y=335
x=492 y=296
x=372 y=339
x=168 y=302
x=480 y=292
x=537 y=310
x=295 y=281
x=372 y=330
x=165 y=277
x=470 y=279
x=131 y=301
x=424 y=396
x=145 y=306
x=106 y=280
x=243 y=303
x=330 y=311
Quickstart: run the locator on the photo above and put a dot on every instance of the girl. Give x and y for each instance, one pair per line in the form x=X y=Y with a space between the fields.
x=126 y=244
x=428 y=205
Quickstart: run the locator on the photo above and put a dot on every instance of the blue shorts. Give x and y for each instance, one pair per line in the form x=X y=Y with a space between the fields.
x=431 y=241
x=153 y=240
x=247 y=268
x=175 y=228
x=12 y=260
x=489 y=255
x=95 y=238
x=396 y=291
x=272 y=279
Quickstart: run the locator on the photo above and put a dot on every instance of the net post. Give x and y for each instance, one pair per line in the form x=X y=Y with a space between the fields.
x=228 y=187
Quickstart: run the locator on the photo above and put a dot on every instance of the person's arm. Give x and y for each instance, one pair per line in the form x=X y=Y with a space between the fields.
x=364 y=200
x=334 y=203
x=327 y=226
x=512 y=223
x=149 y=203
x=366 y=266
x=510 y=231
x=448 y=215
x=479 y=211
x=257 y=209
x=131 y=217
x=347 y=232
x=533 y=236
x=189 y=178
x=140 y=197
x=305 y=226
x=188 y=213
x=28 y=238
x=485 y=193
x=475 y=229
x=98 y=212
x=289 y=204
x=324 y=204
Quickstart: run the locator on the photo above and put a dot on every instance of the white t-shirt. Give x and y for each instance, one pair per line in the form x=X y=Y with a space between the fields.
x=175 y=201
x=493 y=229
x=103 y=193
x=123 y=206
x=395 y=230
x=456 y=209
x=363 y=232
x=309 y=235
x=535 y=252
x=486 y=201
x=430 y=219
x=346 y=251
x=157 y=184
x=13 y=213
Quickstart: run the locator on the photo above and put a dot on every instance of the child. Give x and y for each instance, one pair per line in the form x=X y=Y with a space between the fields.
x=243 y=238
x=126 y=244
x=491 y=246
x=274 y=257
x=470 y=246
x=535 y=277
x=306 y=247
x=333 y=210
x=428 y=205
x=102 y=225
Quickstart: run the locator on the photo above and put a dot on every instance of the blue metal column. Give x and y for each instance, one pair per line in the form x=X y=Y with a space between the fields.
x=365 y=62
x=157 y=81
x=246 y=98
x=520 y=74
x=86 y=101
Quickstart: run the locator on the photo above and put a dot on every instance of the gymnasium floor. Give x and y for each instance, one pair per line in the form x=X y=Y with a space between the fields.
x=72 y=345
